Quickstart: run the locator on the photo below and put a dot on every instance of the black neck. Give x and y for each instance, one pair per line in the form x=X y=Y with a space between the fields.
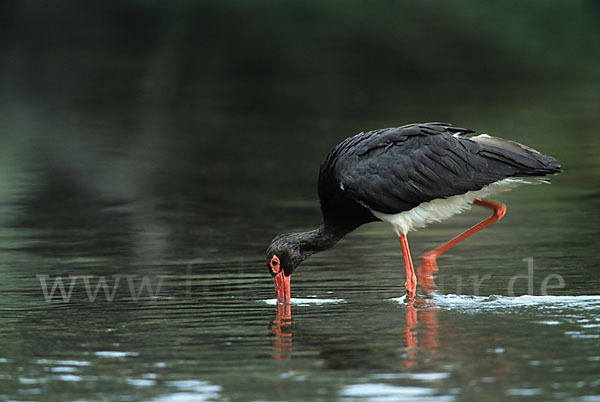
x=320 y=239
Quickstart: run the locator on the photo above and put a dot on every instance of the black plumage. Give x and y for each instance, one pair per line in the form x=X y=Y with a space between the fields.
x=396 y=169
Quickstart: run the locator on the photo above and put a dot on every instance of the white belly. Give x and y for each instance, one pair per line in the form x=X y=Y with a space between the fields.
x=443 y=208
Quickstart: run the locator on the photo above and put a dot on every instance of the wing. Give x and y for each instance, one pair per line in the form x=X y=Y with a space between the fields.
x=394 y=170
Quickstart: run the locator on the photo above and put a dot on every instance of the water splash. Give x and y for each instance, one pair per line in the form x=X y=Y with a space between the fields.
x=499 y=303
x=306 y=301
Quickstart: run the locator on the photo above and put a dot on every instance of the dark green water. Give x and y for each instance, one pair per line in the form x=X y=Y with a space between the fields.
x=159 y=156
x=196 y=220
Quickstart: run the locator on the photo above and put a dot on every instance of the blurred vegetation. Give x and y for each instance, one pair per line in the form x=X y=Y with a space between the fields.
x=284 y=57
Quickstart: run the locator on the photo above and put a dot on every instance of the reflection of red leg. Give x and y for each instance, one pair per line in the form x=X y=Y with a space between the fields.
x=282 y=330
x=429 y=266
x=410 y=334
x=424 y=318
x=411 y=278
x=430 y=334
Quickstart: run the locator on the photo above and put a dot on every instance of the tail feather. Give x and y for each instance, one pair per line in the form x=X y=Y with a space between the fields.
x=524 y=160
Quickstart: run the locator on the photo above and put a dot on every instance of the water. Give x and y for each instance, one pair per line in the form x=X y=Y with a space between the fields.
x=153 y=208
x=197 y=224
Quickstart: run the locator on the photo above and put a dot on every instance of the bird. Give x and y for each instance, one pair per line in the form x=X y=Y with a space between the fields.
x=409 y=177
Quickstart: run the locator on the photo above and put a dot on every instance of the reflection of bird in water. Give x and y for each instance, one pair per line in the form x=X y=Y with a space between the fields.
x=409 y=176
x=420 y=334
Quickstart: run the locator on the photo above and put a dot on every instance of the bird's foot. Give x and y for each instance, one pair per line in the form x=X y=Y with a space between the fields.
x=411 y=287
x=426 y=271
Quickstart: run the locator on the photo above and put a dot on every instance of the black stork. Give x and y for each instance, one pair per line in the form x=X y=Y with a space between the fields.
x=408 y=176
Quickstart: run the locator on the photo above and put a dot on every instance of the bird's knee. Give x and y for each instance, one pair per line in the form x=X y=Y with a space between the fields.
x=499 y=211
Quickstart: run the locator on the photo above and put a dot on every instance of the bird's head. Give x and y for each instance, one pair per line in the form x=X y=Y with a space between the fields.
x=283 y=256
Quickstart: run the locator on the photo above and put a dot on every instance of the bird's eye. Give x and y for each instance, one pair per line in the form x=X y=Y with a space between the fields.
x=275 y=264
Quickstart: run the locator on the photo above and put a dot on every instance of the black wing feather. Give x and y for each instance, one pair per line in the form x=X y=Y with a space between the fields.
x=394 y=170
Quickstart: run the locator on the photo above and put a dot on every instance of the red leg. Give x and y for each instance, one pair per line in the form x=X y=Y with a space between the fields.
x=411 y=278
x=428 y=264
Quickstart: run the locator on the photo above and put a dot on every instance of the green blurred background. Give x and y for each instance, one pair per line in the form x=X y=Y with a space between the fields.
x=317 y=59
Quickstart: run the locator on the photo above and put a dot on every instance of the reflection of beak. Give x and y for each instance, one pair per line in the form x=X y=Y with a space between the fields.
x=282 y=330
x=282 y=287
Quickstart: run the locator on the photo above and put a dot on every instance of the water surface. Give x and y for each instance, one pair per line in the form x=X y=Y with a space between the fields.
x=199 y=230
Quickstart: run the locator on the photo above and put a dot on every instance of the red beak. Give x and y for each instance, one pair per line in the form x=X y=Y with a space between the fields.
x=282 y=287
